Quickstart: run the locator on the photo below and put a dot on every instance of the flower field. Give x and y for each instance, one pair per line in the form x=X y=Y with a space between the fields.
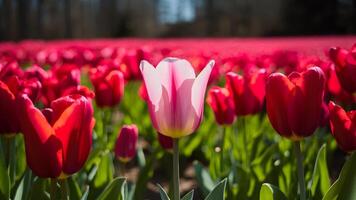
x=185 y=119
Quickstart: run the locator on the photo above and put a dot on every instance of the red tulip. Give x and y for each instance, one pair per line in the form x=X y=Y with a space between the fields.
x=248 y=91
x=142 y=92
x=343 y=127
x=57 y=141
x=345 y=62
x=165 y=141
x=82 y=90
x=221 y=103
x=126 y=143
x=294 y=103
x=108 y=86
x=8 y=118
x=9 y=90
x=59 y=79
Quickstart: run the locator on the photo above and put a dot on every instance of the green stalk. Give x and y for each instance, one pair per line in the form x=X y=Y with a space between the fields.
x=222 y=149
x=247 y=161
x=175 y=169
x=301 y=180
x=53 y=188
x=8 y=144
x=64 y=189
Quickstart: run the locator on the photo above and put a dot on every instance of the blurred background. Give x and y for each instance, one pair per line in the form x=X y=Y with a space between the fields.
x=54 y=19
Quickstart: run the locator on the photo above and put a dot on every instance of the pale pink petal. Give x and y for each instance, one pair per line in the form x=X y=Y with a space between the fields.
x=173 y=72
x=152 y=82
x=199 y=88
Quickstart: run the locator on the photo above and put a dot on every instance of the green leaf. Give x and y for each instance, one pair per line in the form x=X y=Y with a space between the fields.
x=115 y=190
x=320 y=173
x=218 y=192
x=85 y=195
x=344 y=187
x=24 y=187
x=4 y=177
x=189 y=196
x=141 y=157
x=38 y=189
x=105 y=170
x=162 y=193
x=74 y=189
x=271 y=192
x=204 y=180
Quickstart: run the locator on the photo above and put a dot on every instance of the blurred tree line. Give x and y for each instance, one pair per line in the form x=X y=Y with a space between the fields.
x=49 y=19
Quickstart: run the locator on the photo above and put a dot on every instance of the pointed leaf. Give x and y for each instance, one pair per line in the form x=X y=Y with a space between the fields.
x=204 y=180
x=189 y=196
x=114 y=190
x=271 y=192
x=218 y=192
x=344 y=187
x=85 y=195
x=162 y=193
x=24 y=187
x=320 y=173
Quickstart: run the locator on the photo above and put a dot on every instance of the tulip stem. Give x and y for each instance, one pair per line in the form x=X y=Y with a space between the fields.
x=64 y=189
x=222 y=148
x=300 y=170
x=244 y=135
x=122 y=169
x=175 y=169
x=53 y=188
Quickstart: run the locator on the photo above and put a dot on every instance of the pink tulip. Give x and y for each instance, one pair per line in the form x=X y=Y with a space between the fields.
x=175 y=95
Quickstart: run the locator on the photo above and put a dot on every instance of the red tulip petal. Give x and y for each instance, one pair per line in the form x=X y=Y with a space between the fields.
x=305 y=105
x=278 y=90
x=73 y=128
x=43 y=149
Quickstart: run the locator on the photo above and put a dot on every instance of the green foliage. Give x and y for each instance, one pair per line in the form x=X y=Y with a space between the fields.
x=218 y=192
x=115 y=190
x=344 y=187
x=162 y=193
x=271 y=192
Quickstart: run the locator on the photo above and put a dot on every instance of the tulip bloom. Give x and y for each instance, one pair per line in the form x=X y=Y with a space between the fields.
x=8 y=116
x=345 y=65
x=343 y=127
x=175 y=95
x=9 y=90
x=221 y=103
x=294 y=103
x=108 y=86
x=248 y=91
x=58 y=139
x=126 y=143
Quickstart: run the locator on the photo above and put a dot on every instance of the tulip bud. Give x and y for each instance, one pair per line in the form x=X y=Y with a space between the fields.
x=221 y=103
x=345 y=65
x=126 y=143
x=343 y=127
x=248 y=91
x=108 y=86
